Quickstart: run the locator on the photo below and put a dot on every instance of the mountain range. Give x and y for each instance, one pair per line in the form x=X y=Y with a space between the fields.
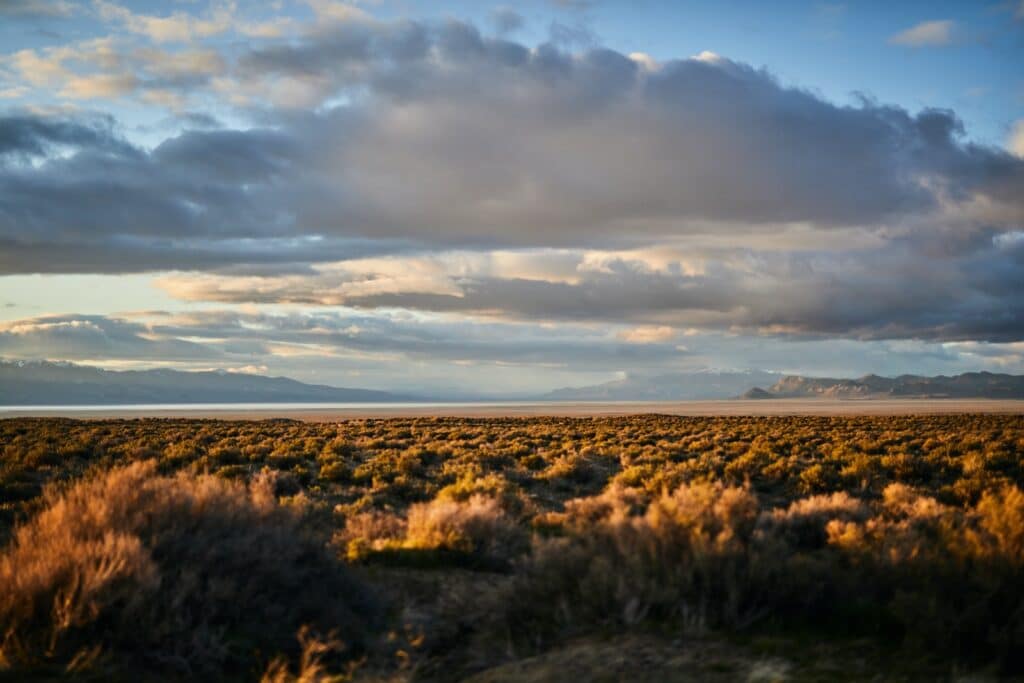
x=966 y=385
x=710 y=384
x=682 y=386
x=58 y=383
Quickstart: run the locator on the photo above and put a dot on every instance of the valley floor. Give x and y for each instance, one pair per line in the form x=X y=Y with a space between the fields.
x=598 y=548
x=725 y=407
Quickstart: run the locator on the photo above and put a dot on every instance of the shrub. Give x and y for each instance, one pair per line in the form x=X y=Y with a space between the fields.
x=478 y=528
x=951 y=578
x=803 y=524
x=684 y=558
x=134 y=571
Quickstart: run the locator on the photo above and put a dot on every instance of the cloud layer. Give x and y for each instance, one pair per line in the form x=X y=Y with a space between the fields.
x=403 y=165
x=448 y=355
x=446 y=136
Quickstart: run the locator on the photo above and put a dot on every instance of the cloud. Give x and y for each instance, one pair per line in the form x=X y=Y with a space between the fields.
x=178 y=27
x=104 y=68
x=335 y=11
x=648 y=335
x=574 y=4
x=430 y=167
x=436 y=355
x=101 y=85
x=507 y=20
x=234 y=339
x=36 y=8
x=1015 y=143
x=936 y=33
x=559 y=149
x=82 y=337
x=24 y=137
x=892 y=292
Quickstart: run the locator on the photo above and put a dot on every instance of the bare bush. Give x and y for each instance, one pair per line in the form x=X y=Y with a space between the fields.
x=311 y=667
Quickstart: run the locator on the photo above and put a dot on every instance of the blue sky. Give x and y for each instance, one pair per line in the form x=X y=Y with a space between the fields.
x=519 y=196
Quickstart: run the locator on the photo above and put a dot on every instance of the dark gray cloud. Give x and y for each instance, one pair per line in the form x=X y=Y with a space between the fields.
x=36 y=8
x=460 y=139
x=507 y=20
x=574 y=4
x=25 y=137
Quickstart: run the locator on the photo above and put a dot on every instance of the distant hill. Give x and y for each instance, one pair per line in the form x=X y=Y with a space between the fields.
x=48 y=383
x=756 y=393
x=688 y=386
x=966 y=385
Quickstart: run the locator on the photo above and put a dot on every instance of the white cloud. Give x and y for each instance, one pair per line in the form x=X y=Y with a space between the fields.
x=98 y=86
x=329 y=284
x=926 y=34
x=177 y=27
x=39 y=70
x=332 y=10
x=1015 y=143
x=107 y=68
x=709 y=57
x=645 y=60
x=649 y=335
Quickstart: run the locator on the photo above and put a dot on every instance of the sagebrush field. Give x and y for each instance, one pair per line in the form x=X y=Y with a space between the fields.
x=637 y=548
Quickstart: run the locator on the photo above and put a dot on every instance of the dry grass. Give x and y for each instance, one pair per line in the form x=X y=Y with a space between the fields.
x=311 y=666
x=135 y=571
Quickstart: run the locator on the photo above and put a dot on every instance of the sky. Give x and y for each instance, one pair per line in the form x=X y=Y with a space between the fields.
x=467 y=198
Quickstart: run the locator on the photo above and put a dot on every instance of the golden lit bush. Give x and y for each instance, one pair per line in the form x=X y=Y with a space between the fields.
x=950 y=577
x=803 y=524
x=683 y=558
x=1000 y=528
x=134 y=571
x=477 y=527
x=707 y=555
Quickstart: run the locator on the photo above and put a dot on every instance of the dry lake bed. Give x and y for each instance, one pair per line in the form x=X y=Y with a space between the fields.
x=315 y=412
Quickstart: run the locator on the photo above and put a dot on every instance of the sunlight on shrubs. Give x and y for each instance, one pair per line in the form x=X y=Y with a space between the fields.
x=478 y=527
x=904 y=532
x=186 y=574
